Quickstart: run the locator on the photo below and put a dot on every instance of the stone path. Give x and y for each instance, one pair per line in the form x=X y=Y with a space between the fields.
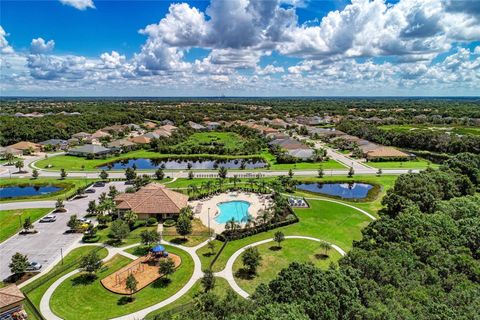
x=227 y=273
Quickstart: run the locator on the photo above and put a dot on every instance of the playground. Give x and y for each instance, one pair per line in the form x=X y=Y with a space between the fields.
x=145 y=270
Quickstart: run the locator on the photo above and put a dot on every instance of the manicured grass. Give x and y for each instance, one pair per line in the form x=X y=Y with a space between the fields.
x=372 y=207
x=92 y=301
x=69 y=186
x=206 y=255
x=133 y=237
x=413 y=164
x=199 y=234
x=37 y=288
x=328 y=221
x=326 y=165
x=186 y=301
x=229 y=140
x=275 y=259
x=10 y=221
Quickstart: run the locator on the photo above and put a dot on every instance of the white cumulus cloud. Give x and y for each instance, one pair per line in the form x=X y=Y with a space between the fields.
x=79 y=4
x=39 y=46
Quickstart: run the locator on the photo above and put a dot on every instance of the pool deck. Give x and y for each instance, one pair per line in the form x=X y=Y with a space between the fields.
x=257 y=202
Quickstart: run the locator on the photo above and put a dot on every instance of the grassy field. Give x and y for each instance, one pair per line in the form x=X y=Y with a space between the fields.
x=90 y=300
x=199 y=234
x=326 y=165
x=275 y=259
x=461 y=130
x=37 y=288
x=412 y=164
x=10 y=220
x=69 y=186
x=229 y=140
x=328 y=221
x=186 y=301
x=133 y=237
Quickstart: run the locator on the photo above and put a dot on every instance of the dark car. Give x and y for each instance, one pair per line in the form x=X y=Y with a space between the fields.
x=90 y=191
x=99 y=184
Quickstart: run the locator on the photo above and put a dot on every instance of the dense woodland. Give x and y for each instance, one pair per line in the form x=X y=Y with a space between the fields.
x=421 y=260
x=418 y=140
x=96 y=114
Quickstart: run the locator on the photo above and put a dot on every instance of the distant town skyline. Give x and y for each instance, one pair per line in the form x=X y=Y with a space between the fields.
x=240 y=48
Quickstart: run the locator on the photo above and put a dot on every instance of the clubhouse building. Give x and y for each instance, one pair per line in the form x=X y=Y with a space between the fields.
x=153 y=200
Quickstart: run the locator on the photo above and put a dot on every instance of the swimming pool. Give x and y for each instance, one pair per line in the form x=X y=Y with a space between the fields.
x=236 y=210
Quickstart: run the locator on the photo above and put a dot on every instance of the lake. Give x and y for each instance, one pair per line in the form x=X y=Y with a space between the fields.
x=342 y=190
x=26 y=191
x=180 y=164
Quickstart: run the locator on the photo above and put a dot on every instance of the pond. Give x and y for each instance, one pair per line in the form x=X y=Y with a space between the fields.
x=343 y=190
x=236 y=210
x=181 y=164
x=26 y=191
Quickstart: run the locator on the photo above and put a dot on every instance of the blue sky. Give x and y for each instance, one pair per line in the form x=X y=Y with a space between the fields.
x=240 y=47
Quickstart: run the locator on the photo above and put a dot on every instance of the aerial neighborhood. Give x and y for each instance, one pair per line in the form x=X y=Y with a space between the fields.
x=142 y=210
x=240 y=160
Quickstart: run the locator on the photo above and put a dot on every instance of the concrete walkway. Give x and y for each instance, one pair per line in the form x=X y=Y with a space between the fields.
x=28 y=205
x=227 y=273
x=112 y=251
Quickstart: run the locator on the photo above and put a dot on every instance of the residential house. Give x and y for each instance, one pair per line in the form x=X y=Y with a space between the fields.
x=149 y=125
x=195 y=126
x=278 y=123
x=153 y=200
x=141 y=140
x=385 y=153
x=55 y=144
x=294 y=148
x=212 y=125
x=26 y=146
x=99 y=134
x=8 y=150
x=122 y=145
x=168 y=128
x=81 y=136
x=11 y=303
x=168 y=122
x=89 y=150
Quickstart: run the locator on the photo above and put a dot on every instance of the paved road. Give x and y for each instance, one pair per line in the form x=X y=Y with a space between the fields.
x=44 y=246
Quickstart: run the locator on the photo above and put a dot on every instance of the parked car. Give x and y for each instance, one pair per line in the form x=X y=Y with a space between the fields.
x=99 y=184
x=85 y=220
x=34 y=266
x=90 y=191
x=49 y=218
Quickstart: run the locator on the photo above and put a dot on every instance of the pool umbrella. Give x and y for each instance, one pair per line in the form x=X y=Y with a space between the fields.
x=158 y=248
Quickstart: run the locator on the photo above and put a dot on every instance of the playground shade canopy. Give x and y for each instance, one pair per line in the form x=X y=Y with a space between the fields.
x=158 y=248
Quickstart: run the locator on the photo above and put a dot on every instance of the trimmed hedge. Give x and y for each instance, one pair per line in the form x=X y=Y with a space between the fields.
x=90 y=239
x=169 y=223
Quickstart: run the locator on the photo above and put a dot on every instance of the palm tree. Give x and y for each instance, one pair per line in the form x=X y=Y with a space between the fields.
x=325 y=246
x=235 y=180
x=208 y=185
x=251 y=182
x=192 y=189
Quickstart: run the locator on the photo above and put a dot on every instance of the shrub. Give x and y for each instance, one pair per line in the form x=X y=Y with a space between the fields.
x=169 y=223
x=90 y=239
x=151 y=221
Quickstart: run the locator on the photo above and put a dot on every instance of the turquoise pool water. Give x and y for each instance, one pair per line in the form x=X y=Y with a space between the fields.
x=236 y=210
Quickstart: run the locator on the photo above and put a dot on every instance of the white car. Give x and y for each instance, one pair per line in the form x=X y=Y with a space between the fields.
x=49 y=218
x=85 y=220
x=34 y=266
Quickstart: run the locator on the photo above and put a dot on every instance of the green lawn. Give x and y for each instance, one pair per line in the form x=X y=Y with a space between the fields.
x=328 y=221
x=186 y=301
x=386 y=182
x=37 y=288
x=274 y=260
x=326 y=165
x=133 y=237
x=199 y=234
x=413 y=164
x=92 y=301
x=229 y=140
x=69 y=187
x=10 y=220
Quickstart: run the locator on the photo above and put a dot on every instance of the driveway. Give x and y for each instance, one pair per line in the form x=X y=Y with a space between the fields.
x=44 y=247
